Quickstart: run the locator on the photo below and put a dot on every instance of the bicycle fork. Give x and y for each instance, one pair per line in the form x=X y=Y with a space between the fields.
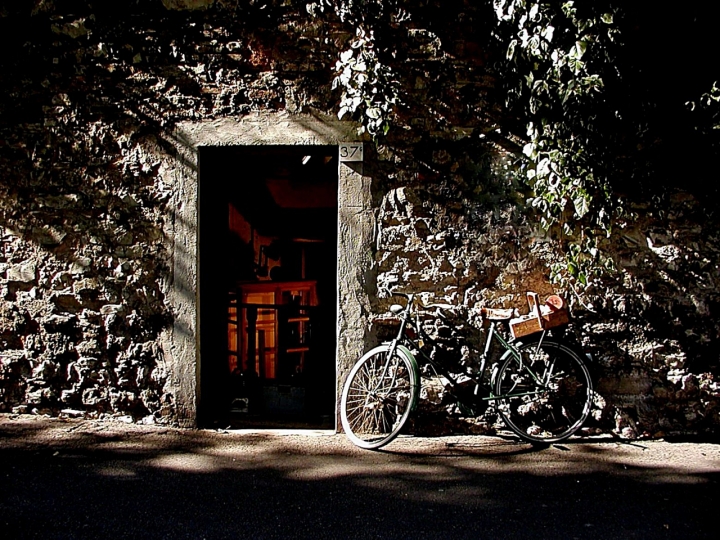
x=392 y=349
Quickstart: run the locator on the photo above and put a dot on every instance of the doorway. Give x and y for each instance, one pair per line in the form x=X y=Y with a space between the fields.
x=267 y=285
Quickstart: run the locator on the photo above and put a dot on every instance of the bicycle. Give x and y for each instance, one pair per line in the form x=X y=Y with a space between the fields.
x=541 y=388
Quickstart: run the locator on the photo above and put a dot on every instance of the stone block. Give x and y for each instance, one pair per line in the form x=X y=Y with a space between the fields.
x=80 y=265
x=183 y=5
x=86 y=286
x=10 y=358
x=635 y=385
x=22 y=273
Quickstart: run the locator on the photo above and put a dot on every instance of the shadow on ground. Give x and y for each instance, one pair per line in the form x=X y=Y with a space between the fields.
x=89 y=480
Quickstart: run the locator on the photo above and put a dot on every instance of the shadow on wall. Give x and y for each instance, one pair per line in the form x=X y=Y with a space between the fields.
x=84 y=262
x=86 y=115
x=653 y=332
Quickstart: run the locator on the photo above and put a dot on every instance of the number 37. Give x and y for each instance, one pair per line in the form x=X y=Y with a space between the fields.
x=351 y=152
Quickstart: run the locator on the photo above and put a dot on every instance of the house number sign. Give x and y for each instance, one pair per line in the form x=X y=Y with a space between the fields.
x=351 y=152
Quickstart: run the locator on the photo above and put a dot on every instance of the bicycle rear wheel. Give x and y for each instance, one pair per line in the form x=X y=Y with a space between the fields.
x=545 y=396
x=377 y=397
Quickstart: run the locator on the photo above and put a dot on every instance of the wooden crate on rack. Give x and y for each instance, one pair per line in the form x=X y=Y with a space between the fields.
x=541 y=317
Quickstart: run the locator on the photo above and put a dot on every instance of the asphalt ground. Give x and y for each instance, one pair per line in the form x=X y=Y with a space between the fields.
x=62 y=479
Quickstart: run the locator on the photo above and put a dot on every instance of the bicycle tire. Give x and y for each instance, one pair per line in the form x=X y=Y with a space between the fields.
x=551 y=405
x=378 y=397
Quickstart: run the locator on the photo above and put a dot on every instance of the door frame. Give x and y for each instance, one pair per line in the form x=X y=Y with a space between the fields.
x=356 y=240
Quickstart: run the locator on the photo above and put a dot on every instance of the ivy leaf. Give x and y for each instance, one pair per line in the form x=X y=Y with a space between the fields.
x=582 y=204
x=548 y=32
x=534 y=11
x=581 y=47
x=511 y=49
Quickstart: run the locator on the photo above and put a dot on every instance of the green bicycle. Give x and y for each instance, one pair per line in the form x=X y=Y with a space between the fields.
x=541 y=388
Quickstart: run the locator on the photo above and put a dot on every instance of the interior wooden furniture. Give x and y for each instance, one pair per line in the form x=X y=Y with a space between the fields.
x=270 y=329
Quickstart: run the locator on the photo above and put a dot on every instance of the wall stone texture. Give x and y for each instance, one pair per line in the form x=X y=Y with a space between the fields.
x=648 y=328
x=88 y=104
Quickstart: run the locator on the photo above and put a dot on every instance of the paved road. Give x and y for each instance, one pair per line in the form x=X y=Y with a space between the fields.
x=81 y=479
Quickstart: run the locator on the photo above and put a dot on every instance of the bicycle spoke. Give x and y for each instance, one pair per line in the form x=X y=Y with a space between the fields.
x=377 y=398
x=546 y=396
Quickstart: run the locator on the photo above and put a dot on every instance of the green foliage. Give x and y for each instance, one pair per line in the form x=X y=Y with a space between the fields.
x=369 y=85
x=558 y=55
x=557 y=52
x=712 y=98
x=709 y=106
x=599 y=115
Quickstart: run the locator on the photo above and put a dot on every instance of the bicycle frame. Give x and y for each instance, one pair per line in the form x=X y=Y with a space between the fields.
x=541 y=390
x=402 y=339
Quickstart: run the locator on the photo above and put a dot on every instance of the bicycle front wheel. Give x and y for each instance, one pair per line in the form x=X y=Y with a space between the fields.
x=545 y=395
x=377 y=397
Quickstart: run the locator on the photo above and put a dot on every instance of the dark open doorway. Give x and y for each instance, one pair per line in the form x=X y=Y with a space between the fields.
x=267 y=274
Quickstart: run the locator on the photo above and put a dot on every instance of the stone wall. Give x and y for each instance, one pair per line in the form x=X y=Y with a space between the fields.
x=648 y=328
x=88 y=154
x=89 y=114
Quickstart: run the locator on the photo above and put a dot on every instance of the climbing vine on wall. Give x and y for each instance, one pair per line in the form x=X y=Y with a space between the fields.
x=556 y=53
x=369 y=86
x=561 y=52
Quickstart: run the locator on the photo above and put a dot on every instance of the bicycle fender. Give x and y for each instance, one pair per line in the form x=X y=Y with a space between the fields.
x=416 y=369
x=496 y=366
